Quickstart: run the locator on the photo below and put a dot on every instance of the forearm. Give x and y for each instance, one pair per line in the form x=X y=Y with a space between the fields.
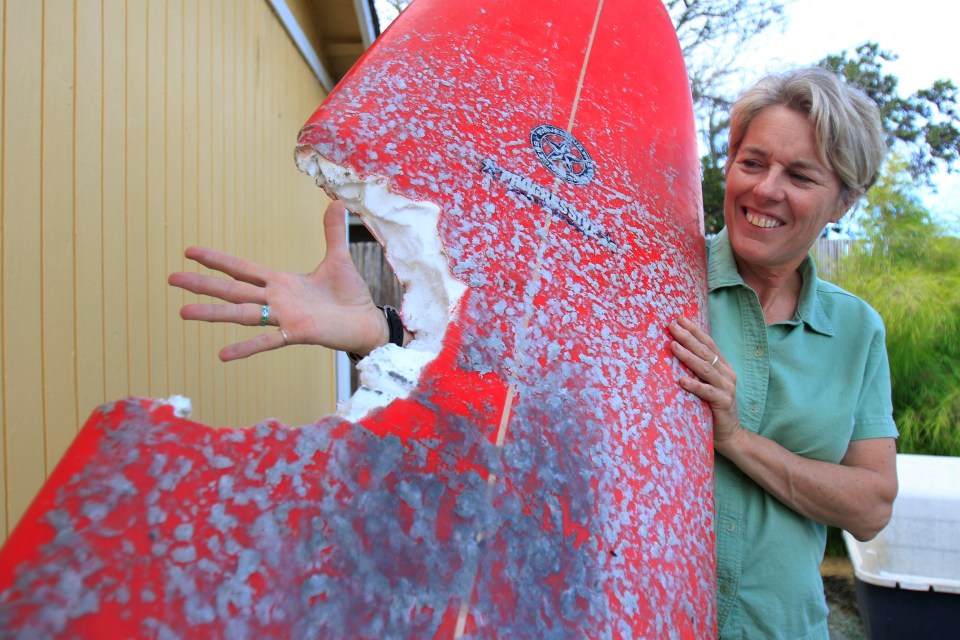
x=856 y=495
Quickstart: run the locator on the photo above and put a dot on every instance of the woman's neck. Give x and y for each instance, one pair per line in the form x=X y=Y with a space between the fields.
x=778 y=292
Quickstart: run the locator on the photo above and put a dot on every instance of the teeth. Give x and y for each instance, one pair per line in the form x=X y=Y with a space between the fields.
x=763 y=222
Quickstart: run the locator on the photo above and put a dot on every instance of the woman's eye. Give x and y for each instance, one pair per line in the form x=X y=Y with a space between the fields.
x=799 y=177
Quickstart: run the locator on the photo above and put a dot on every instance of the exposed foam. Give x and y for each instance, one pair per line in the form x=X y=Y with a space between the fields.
x=182 y=405
x=407 y=229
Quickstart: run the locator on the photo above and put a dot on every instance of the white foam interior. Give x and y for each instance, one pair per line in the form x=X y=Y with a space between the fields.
x=407 y=229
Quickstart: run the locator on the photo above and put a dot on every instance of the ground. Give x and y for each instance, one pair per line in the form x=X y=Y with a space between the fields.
x=838 y=586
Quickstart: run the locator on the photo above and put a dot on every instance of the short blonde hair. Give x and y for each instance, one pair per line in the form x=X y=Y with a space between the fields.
x=846 y=122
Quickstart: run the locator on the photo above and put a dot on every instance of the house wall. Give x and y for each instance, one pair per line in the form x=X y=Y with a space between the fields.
x=129 y=130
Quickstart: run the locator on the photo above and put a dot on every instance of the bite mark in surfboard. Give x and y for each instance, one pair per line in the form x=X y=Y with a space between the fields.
x=407 y=230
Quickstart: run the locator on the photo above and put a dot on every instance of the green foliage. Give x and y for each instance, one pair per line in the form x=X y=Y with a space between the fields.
x=712 y=180
x=909 y=270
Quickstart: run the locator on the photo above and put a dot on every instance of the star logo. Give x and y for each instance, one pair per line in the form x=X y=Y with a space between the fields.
x=562 y=154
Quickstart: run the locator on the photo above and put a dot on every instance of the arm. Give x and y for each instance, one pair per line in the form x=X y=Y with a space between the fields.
x=857 y=494
x=331 y=306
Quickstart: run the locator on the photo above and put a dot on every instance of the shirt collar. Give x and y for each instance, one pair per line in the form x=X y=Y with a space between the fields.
x=722 y=272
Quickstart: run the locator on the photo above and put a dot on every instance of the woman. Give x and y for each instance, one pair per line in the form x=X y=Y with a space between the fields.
x=794 y=370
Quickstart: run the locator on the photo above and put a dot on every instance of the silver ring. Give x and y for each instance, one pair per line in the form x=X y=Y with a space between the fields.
x=264 y=315
x=715 y=358
x=286 y=339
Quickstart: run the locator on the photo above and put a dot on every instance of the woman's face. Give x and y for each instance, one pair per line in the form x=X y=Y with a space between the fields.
x=779 y=194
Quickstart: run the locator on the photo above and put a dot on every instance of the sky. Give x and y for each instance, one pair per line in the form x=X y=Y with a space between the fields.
x=922 y=33
x=924 y=40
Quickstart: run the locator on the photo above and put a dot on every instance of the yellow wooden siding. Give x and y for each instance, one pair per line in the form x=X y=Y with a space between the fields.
x=129 y=130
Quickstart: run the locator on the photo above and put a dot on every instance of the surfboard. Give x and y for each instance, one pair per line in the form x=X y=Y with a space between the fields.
x=533 y=469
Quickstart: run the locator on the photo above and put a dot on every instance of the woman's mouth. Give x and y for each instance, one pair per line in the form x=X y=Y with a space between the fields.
x=762 y=221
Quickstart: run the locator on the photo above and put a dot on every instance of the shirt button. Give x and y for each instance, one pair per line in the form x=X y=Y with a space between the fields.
x=731 y=527
x=725 y=588
x=754 y=408
x=758 y=352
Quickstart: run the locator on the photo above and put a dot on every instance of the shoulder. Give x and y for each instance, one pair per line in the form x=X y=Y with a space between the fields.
x=846 y=310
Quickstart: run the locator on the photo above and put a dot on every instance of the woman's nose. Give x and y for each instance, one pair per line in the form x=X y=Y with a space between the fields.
x=770 y=186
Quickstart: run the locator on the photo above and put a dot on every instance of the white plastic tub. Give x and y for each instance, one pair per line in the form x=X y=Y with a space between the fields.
x=908 y=577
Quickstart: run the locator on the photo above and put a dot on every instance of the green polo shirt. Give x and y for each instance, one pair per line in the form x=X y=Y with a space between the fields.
x=812 y=384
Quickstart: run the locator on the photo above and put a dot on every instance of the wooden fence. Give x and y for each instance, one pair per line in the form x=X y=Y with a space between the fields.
x=829 y=254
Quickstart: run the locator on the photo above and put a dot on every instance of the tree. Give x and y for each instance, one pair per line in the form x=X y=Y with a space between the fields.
x=712 y=34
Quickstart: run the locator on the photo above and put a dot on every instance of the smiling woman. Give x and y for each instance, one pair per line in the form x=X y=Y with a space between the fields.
x=779 y=198
x=794 y=369
x=803 y=149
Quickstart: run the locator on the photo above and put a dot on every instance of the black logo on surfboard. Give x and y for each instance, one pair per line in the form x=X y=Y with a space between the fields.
x=550 y=201
x=562 y=154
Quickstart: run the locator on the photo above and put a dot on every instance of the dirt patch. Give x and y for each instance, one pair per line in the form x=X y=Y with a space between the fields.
x=838 y=587
x=838 y=584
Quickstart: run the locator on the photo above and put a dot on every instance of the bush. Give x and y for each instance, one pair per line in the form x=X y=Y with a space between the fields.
x=909 y=271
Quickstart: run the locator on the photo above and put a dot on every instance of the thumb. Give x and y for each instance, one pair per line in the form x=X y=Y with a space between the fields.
x=335 y=230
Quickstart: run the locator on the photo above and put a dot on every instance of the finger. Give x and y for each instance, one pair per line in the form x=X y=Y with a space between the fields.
x=698 y=332
x=703 y=390
x=335 y=229
x=696 y=340
x=700 y=362
x=249 y=315
x=227 y=290
x=258 y=344
x=236 y=268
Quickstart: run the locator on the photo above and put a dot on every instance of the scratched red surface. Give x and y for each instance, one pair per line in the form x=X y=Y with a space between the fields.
x=594 y=519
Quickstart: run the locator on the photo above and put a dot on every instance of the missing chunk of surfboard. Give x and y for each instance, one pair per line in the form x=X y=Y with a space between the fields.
x=407 y=230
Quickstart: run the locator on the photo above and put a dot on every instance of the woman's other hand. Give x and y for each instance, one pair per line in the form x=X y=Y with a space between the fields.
x=856 y=495
x=713 y=379
x=331 y=306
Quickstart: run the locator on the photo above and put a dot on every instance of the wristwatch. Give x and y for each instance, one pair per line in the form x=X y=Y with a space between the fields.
x=394 y=330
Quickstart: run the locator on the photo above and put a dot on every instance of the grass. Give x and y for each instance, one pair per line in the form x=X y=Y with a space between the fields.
x=920 y=305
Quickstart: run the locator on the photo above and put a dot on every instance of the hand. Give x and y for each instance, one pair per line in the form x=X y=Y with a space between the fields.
x=714 y=380
x=856 y=495
x=331 y=307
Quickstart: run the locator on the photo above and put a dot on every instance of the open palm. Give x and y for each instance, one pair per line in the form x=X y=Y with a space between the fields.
x=331 y=306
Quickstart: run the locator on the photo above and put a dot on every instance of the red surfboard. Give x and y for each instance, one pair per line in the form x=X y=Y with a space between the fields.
x=535 y=470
